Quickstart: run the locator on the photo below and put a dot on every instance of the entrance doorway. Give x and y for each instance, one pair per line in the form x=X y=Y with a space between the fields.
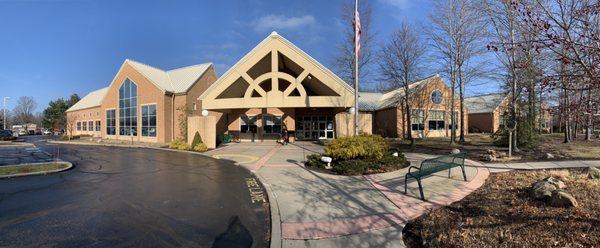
x=314 y=127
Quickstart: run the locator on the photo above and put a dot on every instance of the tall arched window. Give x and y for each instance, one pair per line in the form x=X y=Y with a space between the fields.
x=127 y=108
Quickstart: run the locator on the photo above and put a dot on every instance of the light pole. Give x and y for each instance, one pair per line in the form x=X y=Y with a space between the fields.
x=4 y=112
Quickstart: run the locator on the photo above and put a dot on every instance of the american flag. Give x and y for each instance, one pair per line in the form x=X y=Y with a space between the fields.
x=357 y=30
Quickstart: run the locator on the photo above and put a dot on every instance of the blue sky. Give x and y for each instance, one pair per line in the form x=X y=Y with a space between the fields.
x=51 y=49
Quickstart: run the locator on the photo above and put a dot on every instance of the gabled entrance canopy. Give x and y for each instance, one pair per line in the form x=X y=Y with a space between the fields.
x=277 y=74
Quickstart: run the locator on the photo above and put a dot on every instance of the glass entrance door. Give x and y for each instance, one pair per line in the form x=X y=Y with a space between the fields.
x=314 y=127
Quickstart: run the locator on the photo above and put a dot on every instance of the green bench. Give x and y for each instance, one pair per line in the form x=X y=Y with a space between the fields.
x=433 y=165
x=227 y=138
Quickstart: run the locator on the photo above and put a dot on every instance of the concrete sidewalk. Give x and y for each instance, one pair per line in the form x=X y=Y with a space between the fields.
x=309 y=208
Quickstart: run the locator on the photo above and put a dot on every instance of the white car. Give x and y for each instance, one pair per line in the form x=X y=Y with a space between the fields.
x=23 y=132
x=47 y=132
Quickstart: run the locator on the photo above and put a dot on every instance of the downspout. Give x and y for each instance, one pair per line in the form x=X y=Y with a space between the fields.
x=173 y=117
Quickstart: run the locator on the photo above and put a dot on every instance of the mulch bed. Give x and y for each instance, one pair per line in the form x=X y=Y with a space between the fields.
x=502 y=214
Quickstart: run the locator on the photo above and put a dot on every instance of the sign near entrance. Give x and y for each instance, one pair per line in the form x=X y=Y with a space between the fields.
x=256 y=192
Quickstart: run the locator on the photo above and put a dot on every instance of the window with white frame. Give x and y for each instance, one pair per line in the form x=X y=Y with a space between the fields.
x=149 y=120
x=271 y=124
x=84 y=126
x=78 y=126
x=417 y=119
x=248 y=124
x=128 y=108
x=98 y=126
x=436 y=120
x=111 y=122
x=91 y=125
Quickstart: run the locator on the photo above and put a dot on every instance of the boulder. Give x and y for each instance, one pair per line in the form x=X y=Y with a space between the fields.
x=489 y=158
x=455 y=151
x=593 y=173
x=561 y=198
x=492 y=152
x=557 y=183
x=548 y=156
x=542 y=190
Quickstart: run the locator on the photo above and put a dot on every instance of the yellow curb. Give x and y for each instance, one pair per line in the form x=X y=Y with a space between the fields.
x=249 y=159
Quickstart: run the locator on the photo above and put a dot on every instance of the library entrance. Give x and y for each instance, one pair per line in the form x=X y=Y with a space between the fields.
x=314 y=127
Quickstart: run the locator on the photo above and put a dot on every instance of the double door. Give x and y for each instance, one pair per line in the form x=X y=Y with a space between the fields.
x=314 y=127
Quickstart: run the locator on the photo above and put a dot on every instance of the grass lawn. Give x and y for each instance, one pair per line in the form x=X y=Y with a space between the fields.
x=477 y=145
x=17 y=169
x=502 y=214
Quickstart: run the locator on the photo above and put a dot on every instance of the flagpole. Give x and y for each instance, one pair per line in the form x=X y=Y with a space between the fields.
x=355 y=69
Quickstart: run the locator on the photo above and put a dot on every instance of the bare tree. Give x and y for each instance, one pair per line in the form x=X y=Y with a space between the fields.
x=344 y=62
x=503 y=17
x=70 y=123
x=400 y=63
x=23 y=112
x=458 y=37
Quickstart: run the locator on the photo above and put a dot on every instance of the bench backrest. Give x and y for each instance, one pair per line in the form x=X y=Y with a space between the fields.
x=441 y=163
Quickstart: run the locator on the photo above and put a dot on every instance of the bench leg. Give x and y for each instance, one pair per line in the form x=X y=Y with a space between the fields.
x=463 y=171
x=421 y=189
x=449 y=170
x=405 y=182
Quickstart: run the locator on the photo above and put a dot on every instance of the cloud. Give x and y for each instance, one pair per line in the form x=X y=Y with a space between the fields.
x=280 y=22
x=401 y=4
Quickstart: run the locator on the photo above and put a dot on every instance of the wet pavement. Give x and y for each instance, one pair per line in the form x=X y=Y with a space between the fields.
x=22 y=155
x=116 y=197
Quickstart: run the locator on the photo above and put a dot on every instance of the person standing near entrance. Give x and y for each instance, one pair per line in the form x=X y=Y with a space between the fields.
x=285 y=139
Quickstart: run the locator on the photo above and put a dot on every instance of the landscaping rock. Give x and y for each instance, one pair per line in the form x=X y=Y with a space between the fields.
x=455 y=151
x=549 y=156
x=542 y=190
x=561 y=198
x=557 y=183
x=593 y=173
x=492 y=152
x=489 y=157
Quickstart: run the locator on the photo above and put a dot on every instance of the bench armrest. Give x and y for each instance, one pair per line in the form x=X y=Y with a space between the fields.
x=417 y=168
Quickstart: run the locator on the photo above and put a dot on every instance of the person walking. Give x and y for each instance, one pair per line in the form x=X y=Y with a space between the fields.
x=285 y=136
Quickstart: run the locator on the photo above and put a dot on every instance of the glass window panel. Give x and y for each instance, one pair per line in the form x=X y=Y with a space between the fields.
x=152 y=109
x=330 y=135
x=144 y=110
x=152 y=131
x=126 y=89
x=133 y=90
x=277 y=129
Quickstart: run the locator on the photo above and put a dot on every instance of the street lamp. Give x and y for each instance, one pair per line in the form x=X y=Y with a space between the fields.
x=4 y=114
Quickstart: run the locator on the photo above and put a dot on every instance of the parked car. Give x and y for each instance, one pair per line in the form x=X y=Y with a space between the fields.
x=23 y=132
x=5 y=133
x=47 y=132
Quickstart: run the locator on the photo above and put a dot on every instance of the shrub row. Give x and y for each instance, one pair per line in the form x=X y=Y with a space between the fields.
x=181 y=144
x=363 y=154
x=357 y=147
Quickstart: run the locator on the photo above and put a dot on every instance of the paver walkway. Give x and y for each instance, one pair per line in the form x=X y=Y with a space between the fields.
x=309 y=208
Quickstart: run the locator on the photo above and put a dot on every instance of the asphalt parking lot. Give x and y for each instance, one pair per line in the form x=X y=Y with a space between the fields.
x=134 y=197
